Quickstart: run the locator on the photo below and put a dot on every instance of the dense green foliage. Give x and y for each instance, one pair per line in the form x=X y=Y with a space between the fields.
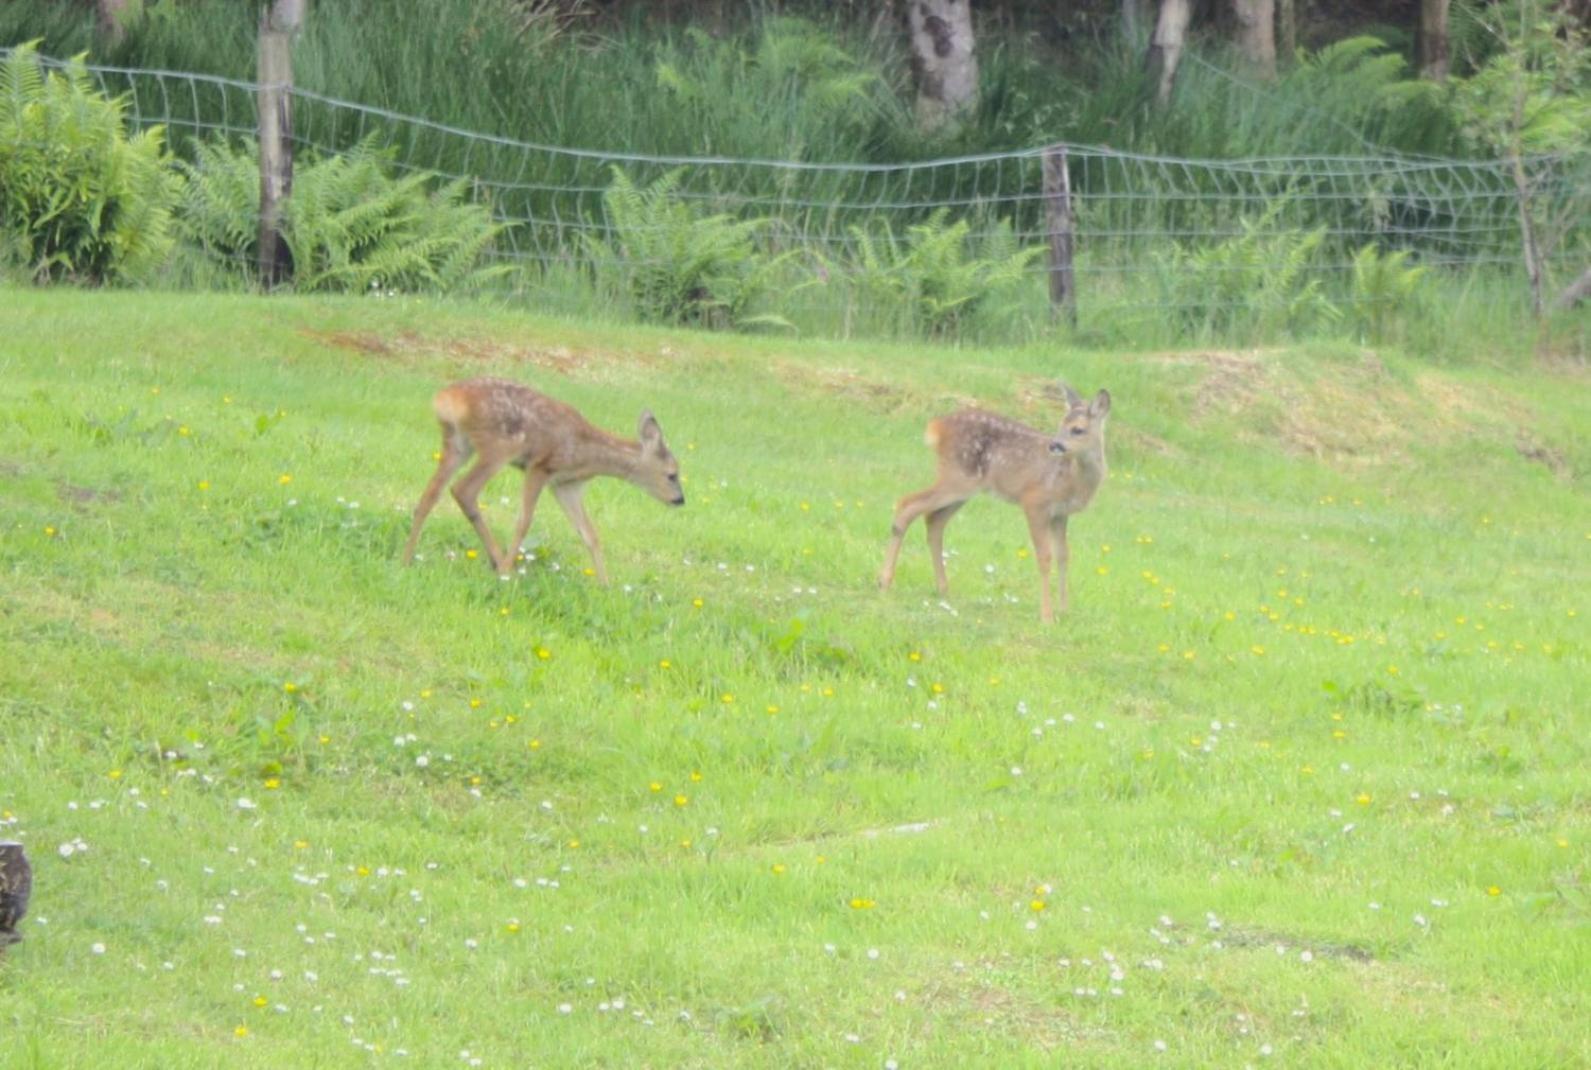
x=1256 y=284
x=849 y=252
x=350 y=224
x=1384 y=288
x=935 y=276
x=675 y=264
x=81 y=198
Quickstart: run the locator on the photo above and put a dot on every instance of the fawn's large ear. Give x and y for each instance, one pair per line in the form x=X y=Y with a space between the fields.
x=650 y=433
x=1101 y=404
x=1074 y=400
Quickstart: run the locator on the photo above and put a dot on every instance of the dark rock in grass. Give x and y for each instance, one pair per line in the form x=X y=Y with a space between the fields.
x=16 y=884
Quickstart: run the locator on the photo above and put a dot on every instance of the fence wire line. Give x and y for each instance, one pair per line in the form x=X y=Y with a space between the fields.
x=1137 y=216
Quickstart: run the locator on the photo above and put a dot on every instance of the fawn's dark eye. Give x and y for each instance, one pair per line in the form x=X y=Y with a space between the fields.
x=1078 y=430
x=673 y=477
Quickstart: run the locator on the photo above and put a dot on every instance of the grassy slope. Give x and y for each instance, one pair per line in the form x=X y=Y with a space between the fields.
x=1420 y=566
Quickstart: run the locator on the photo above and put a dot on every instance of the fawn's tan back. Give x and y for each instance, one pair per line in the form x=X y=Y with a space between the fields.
x=1051 y=476
x=984 y=451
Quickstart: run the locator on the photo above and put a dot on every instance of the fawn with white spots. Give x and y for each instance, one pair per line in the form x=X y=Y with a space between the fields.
x=507 y=423
x=1051 y=476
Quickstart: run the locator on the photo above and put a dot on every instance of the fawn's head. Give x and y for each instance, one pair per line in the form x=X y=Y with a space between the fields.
x=1083 y=427
x=657 y=472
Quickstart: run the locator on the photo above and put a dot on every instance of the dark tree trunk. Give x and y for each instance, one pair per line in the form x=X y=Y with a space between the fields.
x=1431 y=40
x=944 y=66
x=1287 y=29
x=1166 y=45
x=108 y=16
x=1256 y=35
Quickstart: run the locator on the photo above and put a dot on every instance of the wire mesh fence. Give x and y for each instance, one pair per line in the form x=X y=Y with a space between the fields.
x=1153 y=235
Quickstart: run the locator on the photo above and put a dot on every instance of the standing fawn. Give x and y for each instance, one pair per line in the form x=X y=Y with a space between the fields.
x=507 y=423
x=1050 y=476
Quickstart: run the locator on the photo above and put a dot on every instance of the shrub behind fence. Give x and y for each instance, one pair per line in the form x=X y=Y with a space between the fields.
x=1154 y=236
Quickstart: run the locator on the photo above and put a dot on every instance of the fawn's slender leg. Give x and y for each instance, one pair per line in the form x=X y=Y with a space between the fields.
x=467 y=492
x=568 y=495
x=535 y=479
x=455 y=451
x=910 y=508
x=1063 y=556
x=1039 y=529
x=936 y=541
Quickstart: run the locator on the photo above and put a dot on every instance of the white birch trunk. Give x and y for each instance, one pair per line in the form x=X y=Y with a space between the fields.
x=1166 y=45
x=944 y=65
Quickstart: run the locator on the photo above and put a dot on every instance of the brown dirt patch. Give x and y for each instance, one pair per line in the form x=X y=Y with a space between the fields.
x=970 y=1001
x=409 y=347
x=1040 y=393
x=1355 y=412
x=1247 y=938
x=1142 y=443
x=1532 y=449
x=843 y=383
x=86 y=495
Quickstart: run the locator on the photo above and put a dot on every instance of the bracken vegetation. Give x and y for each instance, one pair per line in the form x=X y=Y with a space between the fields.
x=806 y=86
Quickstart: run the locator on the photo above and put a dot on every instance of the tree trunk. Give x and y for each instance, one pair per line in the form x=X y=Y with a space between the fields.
x=1165 y=46
x=1431 y=39
x=1287 y=29
x=1530 y=247
x=278 y=24
x=108 y=20
x=944 y=67
x=1133 y=20
x=1256 y=35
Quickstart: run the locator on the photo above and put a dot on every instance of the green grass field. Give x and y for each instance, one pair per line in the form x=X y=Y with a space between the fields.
x=1300 y=781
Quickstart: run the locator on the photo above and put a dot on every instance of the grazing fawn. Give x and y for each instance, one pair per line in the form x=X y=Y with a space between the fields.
x=507 y=423
x=1051 y=476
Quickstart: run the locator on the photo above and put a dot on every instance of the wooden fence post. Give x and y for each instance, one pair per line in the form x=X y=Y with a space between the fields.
x=278 y=23
x=1061 y=225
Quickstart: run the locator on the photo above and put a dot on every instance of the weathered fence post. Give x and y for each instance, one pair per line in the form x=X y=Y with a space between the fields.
x=278 y=23
x=1061 y=225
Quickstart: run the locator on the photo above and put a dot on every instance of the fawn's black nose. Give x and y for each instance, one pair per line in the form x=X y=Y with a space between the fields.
x=678 y=501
